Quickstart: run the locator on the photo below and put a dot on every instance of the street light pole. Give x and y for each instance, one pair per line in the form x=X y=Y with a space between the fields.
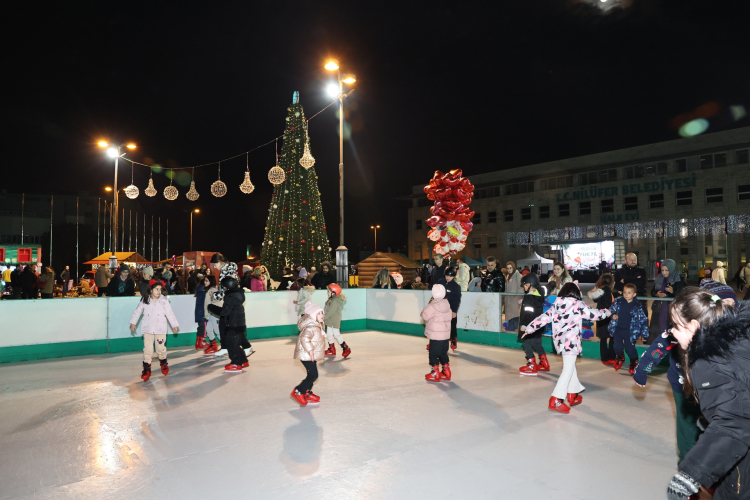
x=115 y=207
x=376 y=235
x=197 y=210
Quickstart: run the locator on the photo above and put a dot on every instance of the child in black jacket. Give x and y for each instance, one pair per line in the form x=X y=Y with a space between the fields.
x=603 y=297
x=232 y=319
x=532 y=307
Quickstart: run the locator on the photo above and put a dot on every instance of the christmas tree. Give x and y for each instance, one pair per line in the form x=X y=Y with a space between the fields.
x=296 y=228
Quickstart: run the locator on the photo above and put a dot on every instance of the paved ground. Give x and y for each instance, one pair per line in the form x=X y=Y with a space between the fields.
x=89 y=428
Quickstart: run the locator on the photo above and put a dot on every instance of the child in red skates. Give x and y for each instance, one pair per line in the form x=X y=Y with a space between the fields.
x=212 y=321
x=532 y=306
x=310 y=348
x=438 y=316
x=332 y=316
x=156 y=311
x=566 y=316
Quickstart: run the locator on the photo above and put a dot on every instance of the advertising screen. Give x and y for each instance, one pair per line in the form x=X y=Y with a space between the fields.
x=588 y=255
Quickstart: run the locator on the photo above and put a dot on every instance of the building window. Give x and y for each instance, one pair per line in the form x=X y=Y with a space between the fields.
x=655 y=169
x=508 y=215
x=631 y=203
x=684 y=251
x=684 y=198
x=519 y=188
x=490 y=192
x=742 y=157
x=599 y=176
x=563 y=210
x=556 y=182
x=477 y=242
x=608 y=206
x=492 y=241
x=584 y=208
x=743 y=192
x=715 y=195
x=681 y=165
x=491 y=217
x=720 y=160
x=419 y=223
x=544 y=212
x=477 y=218
x=424 y=202
x=707 y=161
x=526 y=214
x=637 y=172
x=656 y=200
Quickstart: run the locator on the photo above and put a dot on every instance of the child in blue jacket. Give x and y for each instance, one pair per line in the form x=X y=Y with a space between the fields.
x=628 y=323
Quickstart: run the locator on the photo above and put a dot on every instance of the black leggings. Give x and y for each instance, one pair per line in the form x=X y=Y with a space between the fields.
x=235 y=337
x=312 y=376
x=454 y=331
x=606 y=343
x=438 y=352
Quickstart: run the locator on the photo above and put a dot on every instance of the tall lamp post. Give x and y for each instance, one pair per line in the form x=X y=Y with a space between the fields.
x=196 y=211
x=342 y=257
x=114 y=152
x=376 y=236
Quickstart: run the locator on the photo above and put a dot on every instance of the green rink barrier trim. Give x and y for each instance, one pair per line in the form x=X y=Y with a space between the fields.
x=133 y=344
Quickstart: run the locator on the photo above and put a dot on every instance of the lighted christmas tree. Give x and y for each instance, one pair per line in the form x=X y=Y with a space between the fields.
x=296 y=228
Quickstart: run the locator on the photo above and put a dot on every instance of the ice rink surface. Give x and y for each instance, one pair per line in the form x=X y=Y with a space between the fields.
x=89 y=428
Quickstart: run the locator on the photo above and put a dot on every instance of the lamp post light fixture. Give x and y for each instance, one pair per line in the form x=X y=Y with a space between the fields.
x=376 y=235
x=196 y=211
x=114 y=152
x=342 y=254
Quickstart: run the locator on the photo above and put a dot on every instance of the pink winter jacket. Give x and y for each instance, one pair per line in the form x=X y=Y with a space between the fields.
x=155 y=316
x=438 y=316
x=566 y=316
x=257 y=284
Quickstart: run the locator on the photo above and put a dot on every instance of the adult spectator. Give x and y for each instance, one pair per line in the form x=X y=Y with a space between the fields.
x=438 y=270
x=247 y=273
x=745 y=275
x=287 y=279
x=632 y=273
x=143 y=286
x=6 y=275
x=28 y=282
x=325 y=277
x=525 y=271
x=311 y=273
x=384 y=280
x=666 y=284
x=15 y=282
x=65 y=278
x=267 y=276
x=47 y=282
x=724 y=292
x=475 y=285
x=121 y=285
x=296 y=270
x=257 y=281
x=101 y=280
x=494 y=279
x=719 y=274
x=559 y=277
x=512 y=303
x=464 y=275
x=706 y=271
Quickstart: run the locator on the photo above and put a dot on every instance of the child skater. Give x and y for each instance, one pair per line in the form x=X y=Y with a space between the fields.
x=532 y=307
x=304 y=295
x=628 y=323
x=212 y=321
x=232 y=319
x=310 y=348
x=156 y=312
x=438 y=316
x=566 y=316
x=332 y=317
x=200 y=315
x=602 y=296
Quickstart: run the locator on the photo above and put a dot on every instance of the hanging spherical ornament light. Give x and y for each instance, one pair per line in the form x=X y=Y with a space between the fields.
x=192 y=195
x=247 y=186
x=150 y=190
x=276 y=175
x=218 y=189
x=171 y=193
x=307 y=159
x=132 y=192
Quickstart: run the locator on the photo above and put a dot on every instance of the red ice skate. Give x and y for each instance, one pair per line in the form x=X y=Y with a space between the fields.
x=146 y=371
x=331 y=351
x=543 y=365
x=230 y=368
x=312 y=398
x=434 y=375
x=454 y=344
x=633 y=366
x=246 y=364
x=299 y=397
x=346 y=349
x=574 y=399
x=164 y=366
x=609 y=362
x=212 y=348
x=619 y=362
x=200 y=343
x=445 y=373
x=558 y=405
x=531 y=368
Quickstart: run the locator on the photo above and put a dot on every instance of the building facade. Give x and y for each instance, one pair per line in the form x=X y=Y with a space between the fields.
x=687 y=200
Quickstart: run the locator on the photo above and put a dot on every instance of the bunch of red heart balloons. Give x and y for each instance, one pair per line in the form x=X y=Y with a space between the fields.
x=451 y=216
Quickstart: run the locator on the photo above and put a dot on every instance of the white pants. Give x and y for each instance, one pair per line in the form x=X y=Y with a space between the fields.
x=212 y=326
x=568 y=382
x=332 y=333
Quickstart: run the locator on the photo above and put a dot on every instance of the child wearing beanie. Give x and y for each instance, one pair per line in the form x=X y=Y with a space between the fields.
x=311 y=345
x=438 y=316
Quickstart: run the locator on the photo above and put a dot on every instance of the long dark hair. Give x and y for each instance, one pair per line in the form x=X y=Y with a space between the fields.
x=700 y=305
x=562 y=276
x=570 y=290
x=605 y=280
x=146 y=299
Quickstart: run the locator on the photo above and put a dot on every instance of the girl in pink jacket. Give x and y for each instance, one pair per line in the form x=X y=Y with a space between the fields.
x=438 y=316
x=566 y=316
x=156 y=312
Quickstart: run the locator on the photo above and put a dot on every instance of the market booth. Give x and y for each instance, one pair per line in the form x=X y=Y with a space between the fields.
x=130 y=258
x=368 y=268
x=14 y=255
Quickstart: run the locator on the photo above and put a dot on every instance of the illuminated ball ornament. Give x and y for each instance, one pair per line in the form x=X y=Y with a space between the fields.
x=318 y=247
x=150 y=190
x=247 y=186
x=132 y=192
x=312 y=249
x=276 y=175
x=313 y=217
x=192 y=195
x=218 y=189
x=171 y=193
x=281 y=238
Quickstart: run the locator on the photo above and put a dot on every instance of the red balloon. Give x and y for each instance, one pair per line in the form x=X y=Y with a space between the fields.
x=442 y=234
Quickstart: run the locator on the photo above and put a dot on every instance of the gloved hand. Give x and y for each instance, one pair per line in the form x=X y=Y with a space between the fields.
x=682 y=486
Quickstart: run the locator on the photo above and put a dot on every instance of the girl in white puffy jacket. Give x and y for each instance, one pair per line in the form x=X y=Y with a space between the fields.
x=156 y=311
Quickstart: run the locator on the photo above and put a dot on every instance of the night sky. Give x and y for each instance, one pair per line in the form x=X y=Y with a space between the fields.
x=441 y=85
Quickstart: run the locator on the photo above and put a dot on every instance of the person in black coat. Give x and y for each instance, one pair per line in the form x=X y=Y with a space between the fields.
x=438 y=271
x=287 y=279
x=325 y=277
x=28 y=280
x=453 y=294
x=715 y=338
x=64 y=278
x=232 y=328
x=602 y=296
x=532 y=306
x=15 y=282
x=121 y=285
x=493 y=281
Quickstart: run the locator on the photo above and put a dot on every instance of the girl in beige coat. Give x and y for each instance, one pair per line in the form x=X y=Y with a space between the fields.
x=311 y=346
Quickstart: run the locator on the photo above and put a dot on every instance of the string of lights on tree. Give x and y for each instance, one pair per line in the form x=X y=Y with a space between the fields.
x=673 y=228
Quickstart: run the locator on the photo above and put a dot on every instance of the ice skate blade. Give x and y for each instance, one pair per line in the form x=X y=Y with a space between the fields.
x=313 y=403
x=528 y=374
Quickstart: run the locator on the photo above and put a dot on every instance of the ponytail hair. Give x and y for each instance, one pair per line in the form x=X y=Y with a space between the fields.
x=700 y=305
